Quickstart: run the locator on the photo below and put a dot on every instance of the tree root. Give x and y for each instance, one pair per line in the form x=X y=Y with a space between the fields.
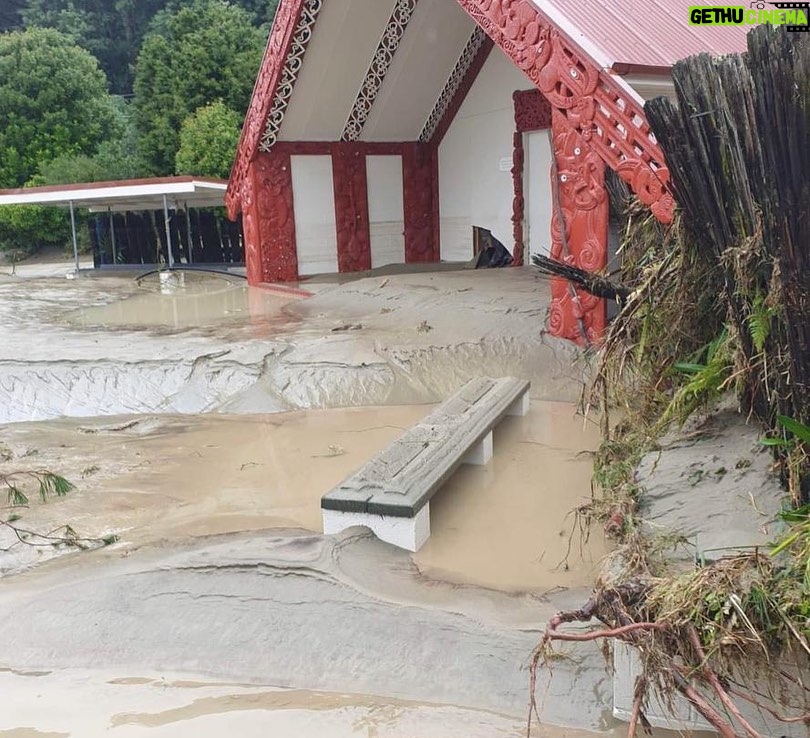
x=609 y=607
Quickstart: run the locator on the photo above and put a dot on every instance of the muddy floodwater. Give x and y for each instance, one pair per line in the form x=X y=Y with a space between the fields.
x=201 y=421
x=184 y=300
x=507 y=525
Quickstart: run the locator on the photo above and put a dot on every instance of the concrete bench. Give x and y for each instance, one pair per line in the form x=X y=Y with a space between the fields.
x=391 y=493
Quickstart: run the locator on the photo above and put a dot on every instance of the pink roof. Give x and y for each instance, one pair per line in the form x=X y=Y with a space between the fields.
x=642 y=33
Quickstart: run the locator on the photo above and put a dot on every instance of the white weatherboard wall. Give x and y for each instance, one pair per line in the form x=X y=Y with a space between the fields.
x=475 y=161
x=385 y=210
x=314 y=204
x=537 y=193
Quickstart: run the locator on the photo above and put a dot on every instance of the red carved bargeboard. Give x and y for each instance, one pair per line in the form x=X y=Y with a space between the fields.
x=593 y=102
x=585 y=207
x=596 y=121
x=264 y=90
x=351 y=207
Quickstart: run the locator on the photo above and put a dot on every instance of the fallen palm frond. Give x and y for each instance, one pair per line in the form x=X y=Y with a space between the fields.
x=18 y=485
x=596 y=284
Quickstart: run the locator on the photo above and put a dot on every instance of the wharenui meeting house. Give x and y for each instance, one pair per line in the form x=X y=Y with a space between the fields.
x=383 y=131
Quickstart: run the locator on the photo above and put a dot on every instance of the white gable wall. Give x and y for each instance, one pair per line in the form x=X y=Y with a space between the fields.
x=475 y=161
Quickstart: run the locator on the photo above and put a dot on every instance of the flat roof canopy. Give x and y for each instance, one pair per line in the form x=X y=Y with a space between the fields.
x=133 y=194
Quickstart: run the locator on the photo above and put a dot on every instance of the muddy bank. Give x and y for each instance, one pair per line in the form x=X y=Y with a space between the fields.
x=290 y=609
x=714 y=484
x=68 y=349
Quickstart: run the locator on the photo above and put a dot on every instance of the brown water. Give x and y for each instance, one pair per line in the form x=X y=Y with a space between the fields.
x=505 y=526
x=183 y=300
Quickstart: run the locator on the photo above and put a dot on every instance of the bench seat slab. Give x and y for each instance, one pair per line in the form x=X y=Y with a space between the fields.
x=399 y=481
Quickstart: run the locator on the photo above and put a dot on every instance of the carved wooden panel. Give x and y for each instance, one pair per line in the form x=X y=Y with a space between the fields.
x=518 y=199
x=351 y=207
x=419 y=181
x=532 y=111
x=585 y=208
x=272 y=217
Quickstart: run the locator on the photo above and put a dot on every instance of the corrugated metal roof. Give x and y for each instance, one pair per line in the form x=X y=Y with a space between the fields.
x=653 y=33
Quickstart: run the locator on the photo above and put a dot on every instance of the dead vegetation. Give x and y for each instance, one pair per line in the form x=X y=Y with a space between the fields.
x=718 y=304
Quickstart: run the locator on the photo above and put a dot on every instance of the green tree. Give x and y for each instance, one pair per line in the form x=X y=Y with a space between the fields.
x=10 y=15
x=25 y=229
x=115 y=158
x=110 y=30
x=53 y=101
x=205 y=51
x=208 y=141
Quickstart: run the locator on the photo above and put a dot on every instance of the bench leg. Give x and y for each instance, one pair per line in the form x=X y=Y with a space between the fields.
x=519 y=406
x=407 y=533
x=481 y=453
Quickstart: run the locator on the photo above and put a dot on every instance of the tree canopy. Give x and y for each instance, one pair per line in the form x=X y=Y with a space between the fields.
x=53 y=102
x=111 y=30
x=205 y=51
x=208 y=141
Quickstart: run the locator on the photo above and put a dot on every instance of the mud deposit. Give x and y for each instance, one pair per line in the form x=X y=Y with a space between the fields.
x=108 y=346
x=201 y=422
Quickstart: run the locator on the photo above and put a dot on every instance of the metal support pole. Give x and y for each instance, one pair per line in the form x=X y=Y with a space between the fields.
x=112 y=235
x=75 y=240
x=168 y=231
x=189 y=240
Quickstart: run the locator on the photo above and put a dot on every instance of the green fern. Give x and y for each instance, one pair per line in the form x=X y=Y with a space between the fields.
x=759 y=323
x=709 y=370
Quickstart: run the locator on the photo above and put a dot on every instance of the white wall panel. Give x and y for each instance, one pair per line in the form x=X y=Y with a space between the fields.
x=475 y=161
x=537 y=193
x=386 y=210
x=314 y=202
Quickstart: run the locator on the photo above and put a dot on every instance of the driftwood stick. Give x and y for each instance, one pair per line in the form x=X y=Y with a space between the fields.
x=711 y=678
x=720 y=724
x=781 y=718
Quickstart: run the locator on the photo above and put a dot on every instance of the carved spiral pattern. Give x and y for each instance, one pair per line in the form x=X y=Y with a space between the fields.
x=556 y=317
x=591 y=256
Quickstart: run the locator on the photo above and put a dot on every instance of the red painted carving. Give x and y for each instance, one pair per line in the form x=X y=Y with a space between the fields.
x=532 y=111
x=461 y=93
x=584 y=204
x=270 y=253
x=419 y=177
x=264 y=90
x=600 y=107
x=518 y=202
x=351 y=207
